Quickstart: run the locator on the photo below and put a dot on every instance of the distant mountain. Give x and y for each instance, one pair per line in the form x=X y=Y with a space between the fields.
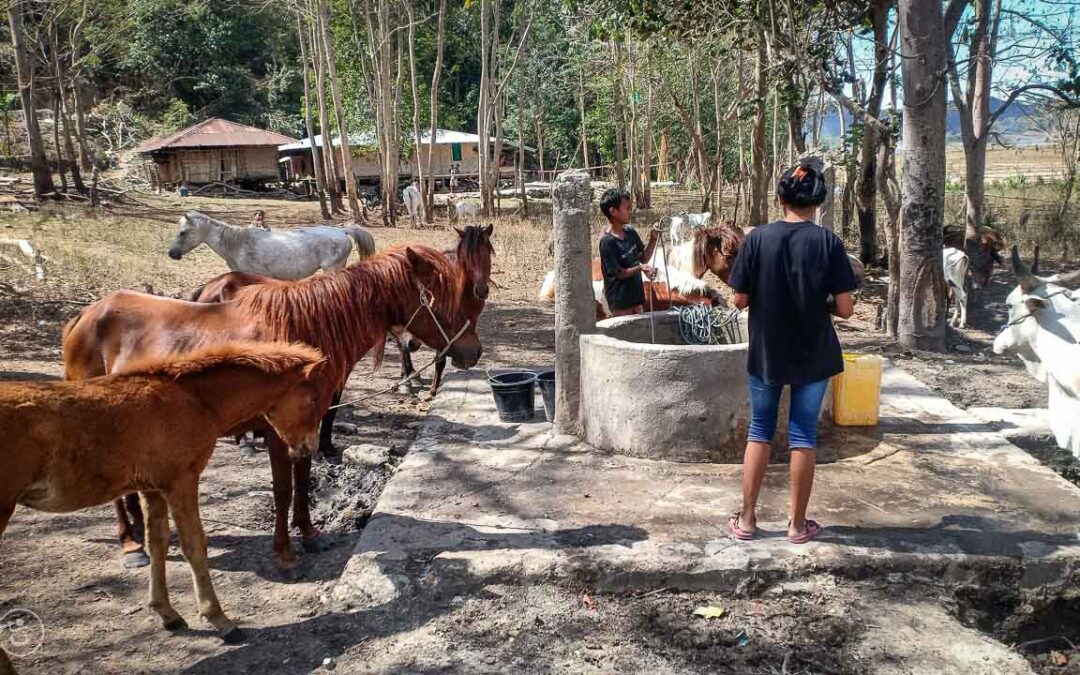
x=1016 y=125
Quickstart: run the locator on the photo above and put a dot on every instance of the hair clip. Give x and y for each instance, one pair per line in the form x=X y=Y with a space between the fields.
x=799 y=172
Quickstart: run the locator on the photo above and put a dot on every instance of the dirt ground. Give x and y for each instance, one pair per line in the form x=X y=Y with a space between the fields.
x=65 y=568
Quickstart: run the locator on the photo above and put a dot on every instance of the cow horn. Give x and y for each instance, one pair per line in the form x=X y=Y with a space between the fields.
x=1028 y=281
x=1035 y=262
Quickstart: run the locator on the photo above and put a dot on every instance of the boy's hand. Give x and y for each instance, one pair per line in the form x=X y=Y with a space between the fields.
x=653 y=236
x=648 y=270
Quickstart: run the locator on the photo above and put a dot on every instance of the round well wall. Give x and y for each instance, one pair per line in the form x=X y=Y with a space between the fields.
x=671 y=401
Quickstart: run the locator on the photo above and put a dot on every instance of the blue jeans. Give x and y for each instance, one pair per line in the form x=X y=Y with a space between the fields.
x=802 y=418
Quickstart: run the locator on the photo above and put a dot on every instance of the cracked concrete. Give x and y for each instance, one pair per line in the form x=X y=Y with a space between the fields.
x=934 y=492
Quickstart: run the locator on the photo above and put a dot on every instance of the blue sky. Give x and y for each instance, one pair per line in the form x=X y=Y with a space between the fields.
x=1028 y=29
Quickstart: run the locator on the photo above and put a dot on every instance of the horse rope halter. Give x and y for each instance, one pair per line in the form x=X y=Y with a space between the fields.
x=427 y=301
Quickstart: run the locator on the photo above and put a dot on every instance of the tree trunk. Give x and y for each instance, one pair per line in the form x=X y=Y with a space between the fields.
x=60 y=163
x=866 y=192
x=339 y=110
x=85 y=159
x=584 y=133
x=76 y=91
x=922 y=322
x=886 y=184
x=61 y=97
x=759 y=210
x=330 y=159
x=39 y=164
x=483 y=107
x=647 y=152
x=662 y=160
x=521 y=153
x=620 y=121
x=309 y=126
x=420 y=173
x=429 y=189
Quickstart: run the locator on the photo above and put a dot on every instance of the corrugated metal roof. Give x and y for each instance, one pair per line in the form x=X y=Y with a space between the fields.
x=442 y=137
x=216 y=133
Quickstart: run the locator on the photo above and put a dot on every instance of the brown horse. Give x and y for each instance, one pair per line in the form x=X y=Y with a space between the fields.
x=473 y=255
x=152 y=428
x=345 y=314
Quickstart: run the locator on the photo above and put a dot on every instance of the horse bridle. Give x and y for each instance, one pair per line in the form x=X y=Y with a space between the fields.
x=427 y=301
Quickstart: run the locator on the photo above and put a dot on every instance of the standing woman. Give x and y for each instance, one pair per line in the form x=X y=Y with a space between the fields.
x=794 y=276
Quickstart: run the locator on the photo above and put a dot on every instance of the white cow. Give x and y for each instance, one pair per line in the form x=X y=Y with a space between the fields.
x=1043 y=331
x=414 y=203
x=955 y=263
x=682 y=227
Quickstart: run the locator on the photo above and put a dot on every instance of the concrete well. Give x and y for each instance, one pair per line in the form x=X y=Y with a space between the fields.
x=671 y=401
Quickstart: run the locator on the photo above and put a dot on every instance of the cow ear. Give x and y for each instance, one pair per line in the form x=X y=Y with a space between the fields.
x=489 y=229
x=1034 y=303
x=460 y=232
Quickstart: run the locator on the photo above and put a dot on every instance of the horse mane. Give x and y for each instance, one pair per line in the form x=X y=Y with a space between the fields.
x=347 y=312
x=272 y=358
x=723 y=237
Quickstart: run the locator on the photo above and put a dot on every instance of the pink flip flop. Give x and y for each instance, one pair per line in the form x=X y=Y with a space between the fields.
x=736 y=531
x=813 y=529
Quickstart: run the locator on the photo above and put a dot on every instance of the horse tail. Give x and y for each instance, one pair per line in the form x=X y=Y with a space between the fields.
x=365 y=242
x=547 y=290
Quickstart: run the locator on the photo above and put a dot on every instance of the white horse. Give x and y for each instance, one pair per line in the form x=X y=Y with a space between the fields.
x=414 y=203
x=286 y=254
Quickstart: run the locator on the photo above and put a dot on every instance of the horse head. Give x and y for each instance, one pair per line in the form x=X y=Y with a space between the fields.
x=474 y=252
x=715 y=250
x=442 y=320
x=194 y=229
x=295 y=416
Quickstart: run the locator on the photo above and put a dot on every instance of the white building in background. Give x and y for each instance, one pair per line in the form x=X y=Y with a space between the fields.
x=457 y=150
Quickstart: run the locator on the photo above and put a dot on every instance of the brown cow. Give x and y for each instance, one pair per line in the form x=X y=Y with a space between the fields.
x=152 y=428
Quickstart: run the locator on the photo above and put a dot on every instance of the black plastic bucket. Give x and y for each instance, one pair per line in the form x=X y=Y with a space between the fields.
x=515 y=395
x=546 y=380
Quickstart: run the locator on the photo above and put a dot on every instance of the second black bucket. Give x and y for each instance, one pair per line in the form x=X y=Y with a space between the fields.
x=546 y=380
x=515 y=395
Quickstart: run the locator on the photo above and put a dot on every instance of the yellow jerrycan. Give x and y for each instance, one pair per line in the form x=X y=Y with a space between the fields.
x=856 y=392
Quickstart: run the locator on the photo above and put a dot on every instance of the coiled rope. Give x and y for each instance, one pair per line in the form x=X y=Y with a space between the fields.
x=703 y=325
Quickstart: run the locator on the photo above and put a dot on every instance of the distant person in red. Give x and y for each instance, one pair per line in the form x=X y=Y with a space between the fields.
x=794 y=276
x=623 y=255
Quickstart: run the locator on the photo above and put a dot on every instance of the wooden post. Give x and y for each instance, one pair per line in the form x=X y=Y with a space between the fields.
x=575 y=311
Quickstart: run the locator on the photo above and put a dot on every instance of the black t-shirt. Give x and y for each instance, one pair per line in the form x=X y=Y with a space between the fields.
x=789 y=270
x=616 y=254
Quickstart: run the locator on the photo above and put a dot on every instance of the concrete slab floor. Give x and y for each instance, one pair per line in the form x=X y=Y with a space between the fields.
x=940 y=496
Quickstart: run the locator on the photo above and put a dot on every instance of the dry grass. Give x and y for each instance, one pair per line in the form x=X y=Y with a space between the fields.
x=91 y=253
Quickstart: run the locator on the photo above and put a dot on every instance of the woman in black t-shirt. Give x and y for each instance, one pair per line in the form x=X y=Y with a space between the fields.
x=622 y=255
x=794 y=276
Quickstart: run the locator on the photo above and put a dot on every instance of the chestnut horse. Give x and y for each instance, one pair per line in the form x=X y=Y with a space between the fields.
x=345 y=314
x=152 y=428
x=473 y=255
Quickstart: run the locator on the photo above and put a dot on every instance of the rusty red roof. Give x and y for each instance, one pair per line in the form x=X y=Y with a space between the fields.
x=217 y=133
